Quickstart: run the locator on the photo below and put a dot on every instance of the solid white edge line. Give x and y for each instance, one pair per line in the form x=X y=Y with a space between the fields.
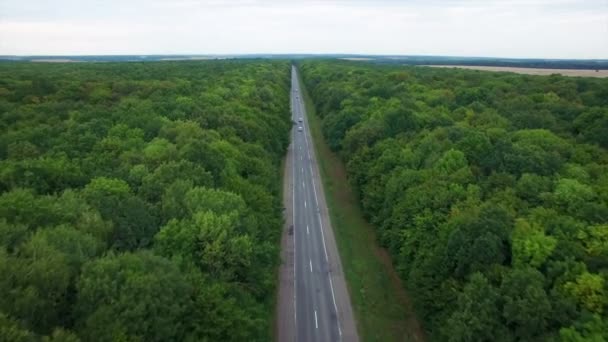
x=333 y=297
x=293 y=217
x=314 y=190
x=331 y=285
x=323 y=238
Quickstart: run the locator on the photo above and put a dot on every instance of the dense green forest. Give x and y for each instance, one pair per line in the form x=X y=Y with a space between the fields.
x=141 y=201
x=489 y=190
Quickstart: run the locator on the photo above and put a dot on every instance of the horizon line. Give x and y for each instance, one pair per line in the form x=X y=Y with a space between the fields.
x=297 y=54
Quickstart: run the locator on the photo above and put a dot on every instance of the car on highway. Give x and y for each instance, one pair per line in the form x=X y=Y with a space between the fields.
x=300 y=120
x=300 y=129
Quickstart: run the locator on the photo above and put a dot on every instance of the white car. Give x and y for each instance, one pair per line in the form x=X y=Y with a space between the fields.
x=300 y=129
x=300 y=119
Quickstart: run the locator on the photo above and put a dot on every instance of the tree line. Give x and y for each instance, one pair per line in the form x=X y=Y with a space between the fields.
x=141 y=201
x=489 y=190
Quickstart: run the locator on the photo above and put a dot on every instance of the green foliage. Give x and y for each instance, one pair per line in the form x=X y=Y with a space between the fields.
x=10 y=331
x=526 y=307
x=588 y=289
x=530 y=245
x=473 y=320
x=102 y=165
x=209 y=241
x=489 y=191
x=132 y=296
x=590 y=328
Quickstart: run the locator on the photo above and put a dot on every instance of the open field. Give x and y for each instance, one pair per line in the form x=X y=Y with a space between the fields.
x=193 y=58
x=50 y=60
x=531 y=71
x=357 y=59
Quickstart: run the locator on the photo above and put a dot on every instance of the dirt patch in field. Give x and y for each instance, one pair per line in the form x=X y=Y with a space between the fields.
x=531 y=71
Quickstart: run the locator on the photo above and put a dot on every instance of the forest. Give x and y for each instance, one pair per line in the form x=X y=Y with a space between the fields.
x=489 y=191
x=141 y=201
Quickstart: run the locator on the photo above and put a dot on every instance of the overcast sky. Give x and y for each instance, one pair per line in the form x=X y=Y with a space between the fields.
x=498 y=28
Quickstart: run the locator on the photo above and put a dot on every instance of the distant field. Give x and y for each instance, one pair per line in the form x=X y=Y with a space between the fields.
x=357 y=59
x=194 y=58
x=531 y=71
x=56 y=60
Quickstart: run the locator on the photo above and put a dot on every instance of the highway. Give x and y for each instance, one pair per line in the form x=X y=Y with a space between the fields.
x=321 y=305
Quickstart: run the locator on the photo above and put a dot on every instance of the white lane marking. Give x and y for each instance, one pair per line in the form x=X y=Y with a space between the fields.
x=304 y=203
x=293 y=217
x=307 y=147
x=333 y=297
x=318 y=213
x=302 y=184
x=310 y=263
x=302 y=170
x=323 y=237
x=316 y=323
x=307 y=231
x=314 y=189
x=331 y=285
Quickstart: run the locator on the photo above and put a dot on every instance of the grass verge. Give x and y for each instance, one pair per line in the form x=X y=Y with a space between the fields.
x=382 y=308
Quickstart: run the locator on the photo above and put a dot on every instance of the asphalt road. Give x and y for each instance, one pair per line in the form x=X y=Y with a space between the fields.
x=321 y=305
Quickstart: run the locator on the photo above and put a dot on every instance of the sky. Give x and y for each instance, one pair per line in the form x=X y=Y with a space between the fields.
x=485 y=28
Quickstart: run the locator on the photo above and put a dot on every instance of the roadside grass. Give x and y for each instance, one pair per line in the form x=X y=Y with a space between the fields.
x=382 y=309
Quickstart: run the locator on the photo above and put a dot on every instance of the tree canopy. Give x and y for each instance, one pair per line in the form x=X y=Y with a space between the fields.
x=489 y=190
x=141 y=201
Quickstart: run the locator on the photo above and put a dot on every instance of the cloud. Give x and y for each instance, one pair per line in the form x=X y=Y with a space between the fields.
x=511 y=28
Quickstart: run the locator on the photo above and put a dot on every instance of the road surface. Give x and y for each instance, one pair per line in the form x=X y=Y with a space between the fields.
x=320 y=308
